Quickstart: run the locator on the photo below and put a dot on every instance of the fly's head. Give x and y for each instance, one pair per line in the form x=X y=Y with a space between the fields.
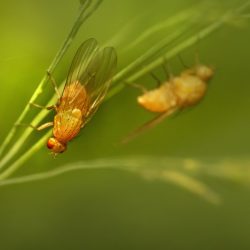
x=204 y=72
x=55 y=146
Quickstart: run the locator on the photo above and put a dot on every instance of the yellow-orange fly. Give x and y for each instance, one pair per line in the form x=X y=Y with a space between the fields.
x=87 y=83
x=177 y=93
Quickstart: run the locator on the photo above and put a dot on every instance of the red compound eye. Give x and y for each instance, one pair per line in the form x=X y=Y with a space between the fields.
x=51 y=143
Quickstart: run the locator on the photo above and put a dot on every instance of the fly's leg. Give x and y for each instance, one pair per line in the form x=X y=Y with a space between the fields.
x=57 y=93
x=137 y=86
x=39 y=128
x=159 y=82
x=167 y=70
x=43 y=126
x=53 y=81
x=43 y=107
x=183 y=63
x=91 y=75
x=148 y=125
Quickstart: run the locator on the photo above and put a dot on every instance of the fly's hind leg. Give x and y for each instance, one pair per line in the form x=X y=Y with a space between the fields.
x=39 y=128
x=148 y=125
x=137 y=86
x=53 y=81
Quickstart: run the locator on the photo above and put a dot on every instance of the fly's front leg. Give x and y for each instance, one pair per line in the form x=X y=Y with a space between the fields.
x=43 y=107
x=137 y=86
x=53 y=81
x=39 y=128
x=43 y=126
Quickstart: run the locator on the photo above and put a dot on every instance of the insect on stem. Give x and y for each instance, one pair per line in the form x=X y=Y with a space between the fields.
x=86 y=10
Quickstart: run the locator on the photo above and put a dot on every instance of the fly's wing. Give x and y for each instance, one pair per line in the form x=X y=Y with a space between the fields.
x=80 y=61
x=93 y=69
x=98 y=77
x=148 y=125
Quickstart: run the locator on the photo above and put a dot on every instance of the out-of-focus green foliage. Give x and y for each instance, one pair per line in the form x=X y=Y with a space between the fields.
x=205 y=150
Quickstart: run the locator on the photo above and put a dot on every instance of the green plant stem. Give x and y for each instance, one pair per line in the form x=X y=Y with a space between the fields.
x=168 y=23
x=165 y=42
x=82 y=16
x=165 y=170
x=170 y=54
x=173 y=52
x=71 y=167
x=15 y=166
x=189 y=42
x=19 y=143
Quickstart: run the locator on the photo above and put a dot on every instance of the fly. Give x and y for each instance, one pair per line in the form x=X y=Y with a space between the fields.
x=87 y=83
x=175 y=94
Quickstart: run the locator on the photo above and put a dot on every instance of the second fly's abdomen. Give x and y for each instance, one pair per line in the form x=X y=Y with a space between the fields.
x=159 y=100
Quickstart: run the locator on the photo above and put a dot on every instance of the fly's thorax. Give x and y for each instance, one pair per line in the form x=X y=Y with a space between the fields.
x=158 y=100
x=68 y=117
x=75 y=90
x=189 y=89
x=204 y=72
x=74 y=95
x=56 y=146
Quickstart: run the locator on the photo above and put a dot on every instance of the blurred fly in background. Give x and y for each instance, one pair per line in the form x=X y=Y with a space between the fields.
x=175 y=94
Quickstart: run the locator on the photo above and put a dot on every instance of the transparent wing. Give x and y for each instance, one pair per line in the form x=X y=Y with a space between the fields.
x=80 y=61
x=83 y=56
x=92 y=68
x=99 y=73
x=148 y=125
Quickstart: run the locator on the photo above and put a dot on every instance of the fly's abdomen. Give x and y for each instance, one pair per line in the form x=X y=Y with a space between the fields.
x=189 y=89
x=67 y=125
x=159 y=100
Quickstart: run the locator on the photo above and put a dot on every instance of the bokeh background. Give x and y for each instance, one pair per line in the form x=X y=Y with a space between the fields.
x=114 y=209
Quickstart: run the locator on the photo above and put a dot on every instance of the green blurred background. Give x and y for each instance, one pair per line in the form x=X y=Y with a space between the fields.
x=112 y=209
